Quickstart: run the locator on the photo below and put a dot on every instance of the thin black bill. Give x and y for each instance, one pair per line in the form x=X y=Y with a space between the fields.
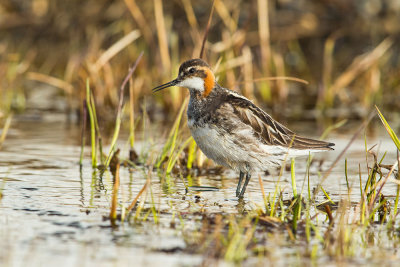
x=166 y=85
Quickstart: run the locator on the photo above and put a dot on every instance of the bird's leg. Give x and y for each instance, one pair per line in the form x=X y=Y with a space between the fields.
x=248 y=176
x=240 y=183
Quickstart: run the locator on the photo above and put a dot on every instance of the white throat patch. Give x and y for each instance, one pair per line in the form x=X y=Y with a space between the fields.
x=195 y=83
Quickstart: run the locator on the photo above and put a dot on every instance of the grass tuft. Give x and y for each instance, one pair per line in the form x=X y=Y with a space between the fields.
x=118 y=119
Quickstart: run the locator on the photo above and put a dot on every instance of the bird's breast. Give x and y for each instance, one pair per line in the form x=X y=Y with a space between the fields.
x=209 y=140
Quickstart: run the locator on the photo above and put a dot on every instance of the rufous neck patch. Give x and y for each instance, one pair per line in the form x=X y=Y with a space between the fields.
x=209 y=82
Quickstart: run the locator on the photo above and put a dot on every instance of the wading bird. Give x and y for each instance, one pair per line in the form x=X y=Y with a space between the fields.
x=233 y=131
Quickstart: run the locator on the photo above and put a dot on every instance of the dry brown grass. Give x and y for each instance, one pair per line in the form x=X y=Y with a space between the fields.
x=64 y=43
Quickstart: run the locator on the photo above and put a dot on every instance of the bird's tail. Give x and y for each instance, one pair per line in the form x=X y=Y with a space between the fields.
x=303 y=146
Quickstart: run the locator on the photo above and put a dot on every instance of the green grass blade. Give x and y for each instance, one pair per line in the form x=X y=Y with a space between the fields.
x=327 y=195
x=83 y=133
x=5 y=129
x=92 y=124
x=96 y=124
x=331 y=128
x=293 y=178
x=389 y=129
x=191 y=154
x=346 y=176
x=174 y=158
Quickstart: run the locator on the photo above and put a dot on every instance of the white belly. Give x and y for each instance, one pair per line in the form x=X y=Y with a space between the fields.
x=215 y=146
x=223 y=149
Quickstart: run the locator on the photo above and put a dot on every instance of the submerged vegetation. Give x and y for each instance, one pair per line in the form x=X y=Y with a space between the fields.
x=261 y=48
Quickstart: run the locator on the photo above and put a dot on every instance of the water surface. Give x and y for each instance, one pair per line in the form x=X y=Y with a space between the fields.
x=53 y=213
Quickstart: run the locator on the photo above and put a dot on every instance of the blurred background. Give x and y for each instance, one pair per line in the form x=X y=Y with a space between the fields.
x=347 y=51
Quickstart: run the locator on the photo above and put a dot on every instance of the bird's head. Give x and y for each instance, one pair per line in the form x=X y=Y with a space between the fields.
x=194 y=74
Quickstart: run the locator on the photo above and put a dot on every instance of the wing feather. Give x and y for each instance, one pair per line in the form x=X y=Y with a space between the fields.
x=268 y=130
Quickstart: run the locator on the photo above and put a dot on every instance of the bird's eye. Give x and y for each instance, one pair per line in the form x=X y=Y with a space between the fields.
x=192 y=70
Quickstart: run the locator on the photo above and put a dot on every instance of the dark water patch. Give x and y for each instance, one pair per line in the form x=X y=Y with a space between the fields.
x=52 y=213
x=75 y=224
x=44 y=167
x=17 y=162
x=6 y=179
x=28 y=210
x=30 y=188
x=170 y=250
x=63 y=234
x=203 y=188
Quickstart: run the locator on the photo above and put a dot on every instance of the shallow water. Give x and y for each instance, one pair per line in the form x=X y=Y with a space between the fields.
x=52 y=213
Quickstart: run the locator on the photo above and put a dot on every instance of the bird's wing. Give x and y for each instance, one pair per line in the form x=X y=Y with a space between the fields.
x=267 y=129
